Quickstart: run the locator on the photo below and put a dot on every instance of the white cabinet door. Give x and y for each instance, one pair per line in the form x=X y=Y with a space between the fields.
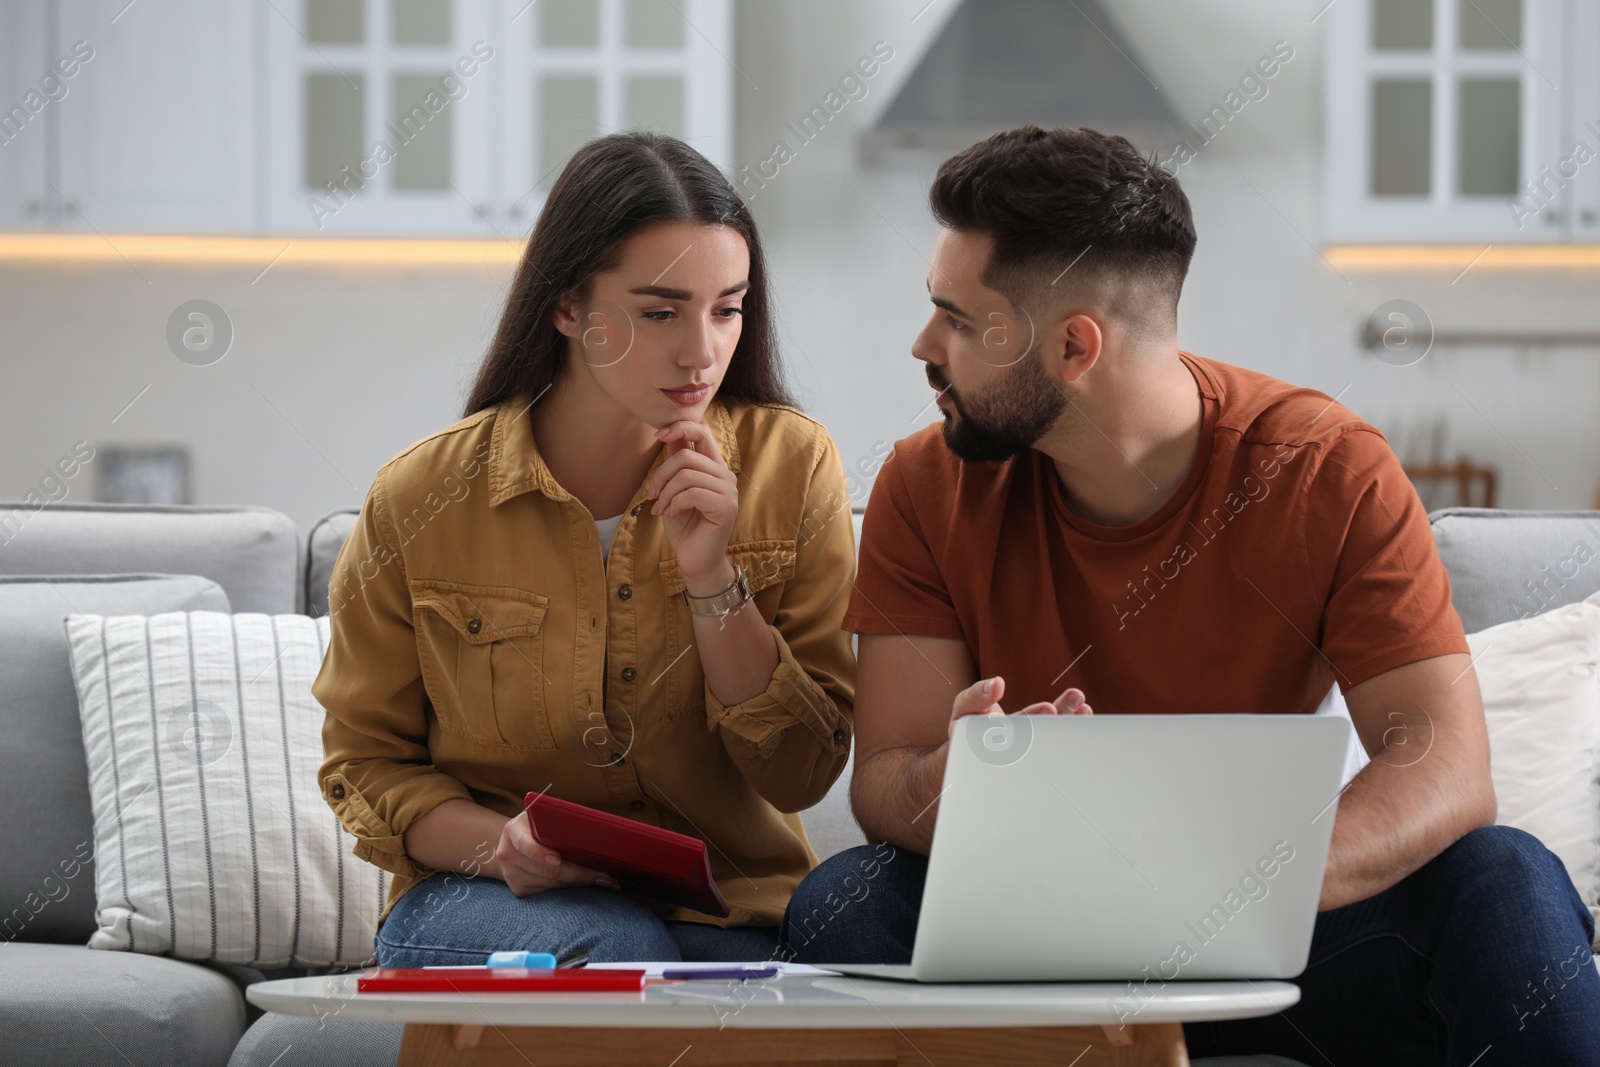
x=394 y=117
x=581 y=68
x=29 y=88
x=380 y=116
x=156 y=133
x=1439 y=112
x=1576 y=173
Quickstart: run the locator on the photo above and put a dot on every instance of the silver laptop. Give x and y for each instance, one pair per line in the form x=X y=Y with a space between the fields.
x=1111 y=847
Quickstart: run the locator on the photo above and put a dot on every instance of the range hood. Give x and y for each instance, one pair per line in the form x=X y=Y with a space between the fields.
x=1003 y=63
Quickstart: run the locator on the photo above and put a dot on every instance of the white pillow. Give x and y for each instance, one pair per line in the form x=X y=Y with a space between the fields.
x=1540 y=679
x=1355 y=753
x=212 y=837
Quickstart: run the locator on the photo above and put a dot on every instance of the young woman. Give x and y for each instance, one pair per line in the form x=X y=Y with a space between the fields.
x=619 y=580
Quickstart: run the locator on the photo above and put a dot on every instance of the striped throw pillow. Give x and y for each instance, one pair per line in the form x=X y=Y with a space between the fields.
x=212 y=837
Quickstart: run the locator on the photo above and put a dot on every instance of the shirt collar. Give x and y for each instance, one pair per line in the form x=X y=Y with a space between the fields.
x=515 y=465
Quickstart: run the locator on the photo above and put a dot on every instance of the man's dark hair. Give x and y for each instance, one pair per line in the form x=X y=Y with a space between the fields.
x=1078 y=198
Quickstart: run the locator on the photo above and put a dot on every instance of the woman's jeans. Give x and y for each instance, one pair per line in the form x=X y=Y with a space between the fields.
x=1481 y=956
x=459 y=919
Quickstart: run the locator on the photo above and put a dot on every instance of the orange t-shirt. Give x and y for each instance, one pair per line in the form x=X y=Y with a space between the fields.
x=1295 y=554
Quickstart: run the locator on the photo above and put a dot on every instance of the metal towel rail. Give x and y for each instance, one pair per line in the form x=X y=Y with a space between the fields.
x=1372 y=337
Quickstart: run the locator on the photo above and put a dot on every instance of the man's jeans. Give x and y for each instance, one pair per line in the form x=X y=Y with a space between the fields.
x=459 y=919
x=1479 y=957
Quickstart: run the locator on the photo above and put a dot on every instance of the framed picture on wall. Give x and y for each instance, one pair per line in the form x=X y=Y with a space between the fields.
x=143 y=475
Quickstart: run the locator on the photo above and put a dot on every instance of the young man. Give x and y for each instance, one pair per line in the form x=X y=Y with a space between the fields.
x=1105 y=518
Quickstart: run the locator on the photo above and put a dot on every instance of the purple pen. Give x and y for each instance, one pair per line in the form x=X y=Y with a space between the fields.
x=770 y=970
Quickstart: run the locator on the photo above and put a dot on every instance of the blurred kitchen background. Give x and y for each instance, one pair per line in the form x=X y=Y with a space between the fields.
x=212 y=272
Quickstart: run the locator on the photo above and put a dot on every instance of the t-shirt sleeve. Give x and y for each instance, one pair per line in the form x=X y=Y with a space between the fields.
x=1369 y=540
x=899 y=588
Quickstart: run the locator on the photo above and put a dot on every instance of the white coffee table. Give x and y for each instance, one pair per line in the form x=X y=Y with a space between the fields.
x=793 y=1020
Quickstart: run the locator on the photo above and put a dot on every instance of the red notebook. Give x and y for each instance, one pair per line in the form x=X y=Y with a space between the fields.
x=498 y=980
x=646 y=859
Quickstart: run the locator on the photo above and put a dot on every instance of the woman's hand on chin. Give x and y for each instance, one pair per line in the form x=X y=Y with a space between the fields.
x=698 y=497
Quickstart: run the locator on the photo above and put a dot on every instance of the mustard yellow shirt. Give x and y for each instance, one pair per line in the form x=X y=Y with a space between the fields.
x=482 y=649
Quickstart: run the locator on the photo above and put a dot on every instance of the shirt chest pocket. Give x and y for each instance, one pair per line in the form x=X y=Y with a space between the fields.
x=482 y=654
x=766 y=563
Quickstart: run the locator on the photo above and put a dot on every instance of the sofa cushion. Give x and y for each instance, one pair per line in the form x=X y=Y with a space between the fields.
x=322 y=550
x=307 y=1041
x=69 y=1006
x=1540 y=679
x=1507 y=565
x=47 y=834
x=203 y=742
x=251 y=552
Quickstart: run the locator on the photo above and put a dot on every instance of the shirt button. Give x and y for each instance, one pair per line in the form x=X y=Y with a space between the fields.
x=629 y=674
x=337 y=791
x=624 y=592
x=634 y=511
x=617 y=759
x=636 y=805
x=474 y=625
x=838 y=737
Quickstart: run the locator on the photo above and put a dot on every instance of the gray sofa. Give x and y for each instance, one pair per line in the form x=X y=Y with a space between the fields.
x=62 y=1003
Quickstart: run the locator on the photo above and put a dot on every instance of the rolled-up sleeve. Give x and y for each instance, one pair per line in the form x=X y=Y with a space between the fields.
x=377 y=773
x=792 y=740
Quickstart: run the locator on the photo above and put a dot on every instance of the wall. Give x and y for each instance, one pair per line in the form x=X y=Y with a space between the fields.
x=332 y=372
x=329 y=374
x=1260 y=293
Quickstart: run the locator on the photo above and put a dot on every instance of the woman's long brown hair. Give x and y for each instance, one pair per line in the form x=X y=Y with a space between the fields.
x=610 y=188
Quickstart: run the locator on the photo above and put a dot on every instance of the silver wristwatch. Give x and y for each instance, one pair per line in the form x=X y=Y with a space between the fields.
x=725 y=601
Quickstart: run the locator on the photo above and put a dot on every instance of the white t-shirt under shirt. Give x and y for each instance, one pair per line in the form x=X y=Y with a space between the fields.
x=607 y=528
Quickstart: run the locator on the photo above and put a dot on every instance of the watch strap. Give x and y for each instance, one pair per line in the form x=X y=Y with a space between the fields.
x=725 y=601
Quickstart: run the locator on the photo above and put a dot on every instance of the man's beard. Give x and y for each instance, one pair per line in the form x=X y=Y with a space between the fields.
x=1005 y=419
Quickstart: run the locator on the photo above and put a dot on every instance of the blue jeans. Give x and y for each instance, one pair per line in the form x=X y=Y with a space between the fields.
x=1482 y=952
x=453 y=918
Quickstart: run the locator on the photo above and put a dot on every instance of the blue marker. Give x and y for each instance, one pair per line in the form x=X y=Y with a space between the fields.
x=521 y=959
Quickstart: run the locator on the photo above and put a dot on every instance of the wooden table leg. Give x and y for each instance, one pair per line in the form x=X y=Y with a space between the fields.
x=451 y=1045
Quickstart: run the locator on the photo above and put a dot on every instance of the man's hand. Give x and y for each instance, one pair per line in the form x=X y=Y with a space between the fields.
x=907 y=687
x=983 y=698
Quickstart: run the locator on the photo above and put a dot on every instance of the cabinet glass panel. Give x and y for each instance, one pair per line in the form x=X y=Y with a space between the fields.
x=654 y=24
x=1490 y=136
x=333 y=126
x=1491 y=24
x=335 y=21
x=1402 y=125
x=421 y=133
x=1402 y=24
x=420 y=21
x=569 y=23
x=569 y=115
x=655 y=102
